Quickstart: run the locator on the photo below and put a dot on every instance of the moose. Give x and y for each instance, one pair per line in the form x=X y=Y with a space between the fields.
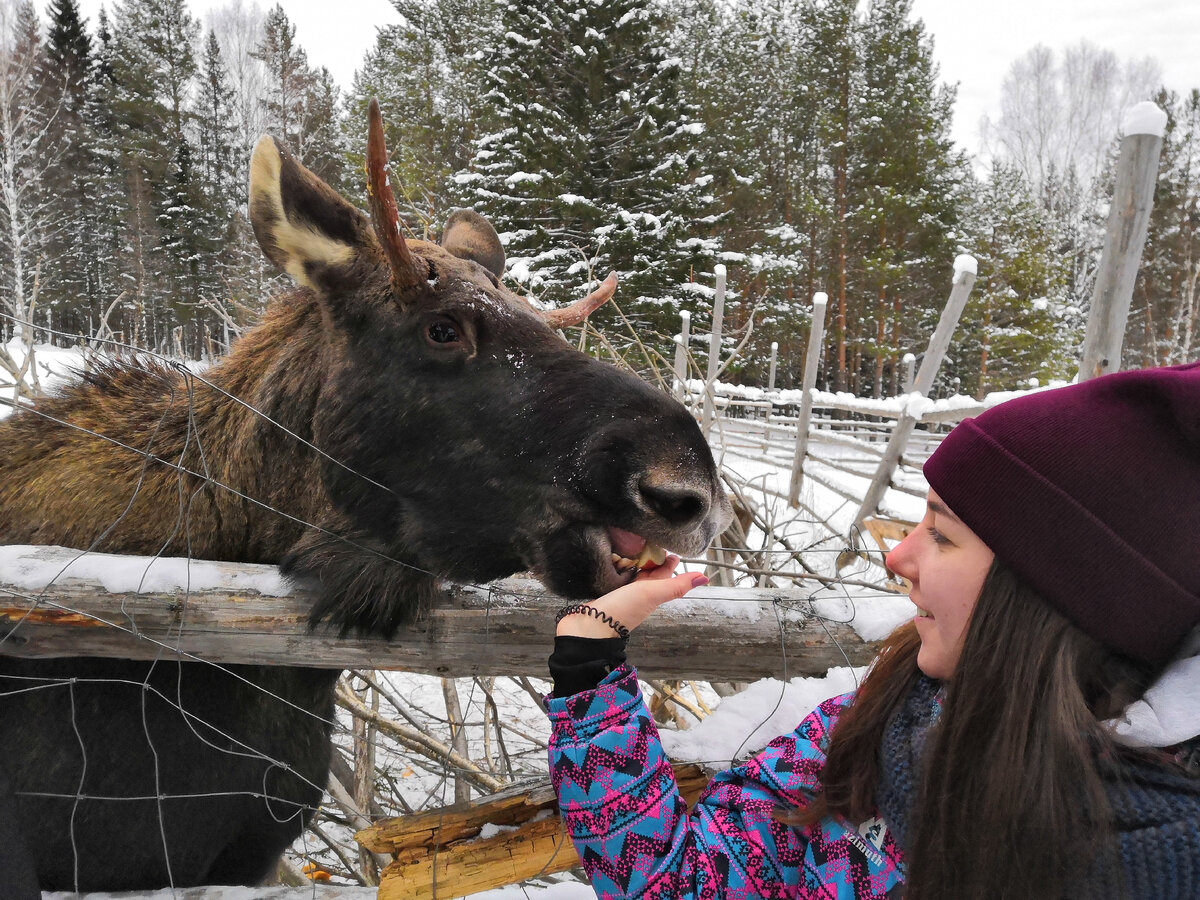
x=398 y=419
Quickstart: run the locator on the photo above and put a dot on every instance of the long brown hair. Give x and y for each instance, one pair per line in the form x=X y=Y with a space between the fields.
x=1012 y=803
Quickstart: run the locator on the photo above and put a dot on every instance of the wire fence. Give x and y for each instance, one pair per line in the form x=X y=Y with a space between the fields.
x=404 y=743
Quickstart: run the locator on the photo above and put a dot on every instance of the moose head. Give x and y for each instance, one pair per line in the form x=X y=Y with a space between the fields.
x=461 y=437
x=488 y=444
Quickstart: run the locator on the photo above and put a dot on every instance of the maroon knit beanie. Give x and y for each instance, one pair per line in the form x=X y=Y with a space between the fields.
x=1091 y=493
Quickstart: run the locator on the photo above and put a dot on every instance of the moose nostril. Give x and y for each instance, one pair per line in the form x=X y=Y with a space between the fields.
x=677 y=505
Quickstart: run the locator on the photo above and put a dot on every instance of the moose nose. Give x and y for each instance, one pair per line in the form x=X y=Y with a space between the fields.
x=677 y=504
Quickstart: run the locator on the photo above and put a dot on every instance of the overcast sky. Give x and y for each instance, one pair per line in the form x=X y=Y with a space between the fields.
x=974 y=43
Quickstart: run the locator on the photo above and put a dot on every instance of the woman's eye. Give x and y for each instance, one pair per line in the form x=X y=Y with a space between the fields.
x=937 y=536
x=443 y=333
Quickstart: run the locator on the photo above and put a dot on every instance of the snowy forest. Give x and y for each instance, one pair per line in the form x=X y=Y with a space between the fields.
x=805 y=144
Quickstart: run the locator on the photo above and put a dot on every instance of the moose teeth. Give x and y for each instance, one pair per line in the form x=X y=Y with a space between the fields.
x=650 y=554
x=623 y=564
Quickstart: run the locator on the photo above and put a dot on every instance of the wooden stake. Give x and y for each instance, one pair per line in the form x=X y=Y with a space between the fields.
x=811 y=361
x=1128 y=221
x=964 y=280
x=714 y=348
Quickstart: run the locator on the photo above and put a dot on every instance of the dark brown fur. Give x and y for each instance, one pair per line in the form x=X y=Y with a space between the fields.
x=468 y=441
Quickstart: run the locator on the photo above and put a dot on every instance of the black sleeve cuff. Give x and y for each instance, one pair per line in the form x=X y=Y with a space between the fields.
x=579 y=664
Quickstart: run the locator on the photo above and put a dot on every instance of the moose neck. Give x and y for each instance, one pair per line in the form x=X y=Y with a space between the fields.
x=276 y=372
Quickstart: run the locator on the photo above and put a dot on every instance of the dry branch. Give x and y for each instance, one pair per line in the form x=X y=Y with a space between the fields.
x=441 y=853
x=504 y=628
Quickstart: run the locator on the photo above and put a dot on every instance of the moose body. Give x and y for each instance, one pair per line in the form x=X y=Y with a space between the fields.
x=398 y=419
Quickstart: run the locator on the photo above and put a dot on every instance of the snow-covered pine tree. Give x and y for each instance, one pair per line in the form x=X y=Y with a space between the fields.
x=905 y=183
x=186 y=245
x=1011 y=329
x=837 y=82
x=587 y=162
x=215 y=117
x=746 y=68
x=153 y=67
x=428 y=72
x=67 y=96
x=299 y=102
x=324 y=151
x=287 y=80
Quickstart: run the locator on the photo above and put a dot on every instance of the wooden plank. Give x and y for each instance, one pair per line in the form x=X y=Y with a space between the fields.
x=441 y=853
x=504 y=628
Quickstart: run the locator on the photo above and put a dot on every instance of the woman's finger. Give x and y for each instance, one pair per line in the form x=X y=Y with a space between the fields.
x=632 y=604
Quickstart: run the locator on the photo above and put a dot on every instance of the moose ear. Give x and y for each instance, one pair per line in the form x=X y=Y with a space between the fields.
x=468 y=235
x=302 y=224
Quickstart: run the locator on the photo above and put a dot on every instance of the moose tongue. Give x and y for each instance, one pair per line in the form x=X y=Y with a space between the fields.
x=626 y=543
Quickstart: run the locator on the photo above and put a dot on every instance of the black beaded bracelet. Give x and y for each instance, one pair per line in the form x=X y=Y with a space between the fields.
x=584 y=609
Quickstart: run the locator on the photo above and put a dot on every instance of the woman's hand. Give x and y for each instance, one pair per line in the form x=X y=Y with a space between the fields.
x=632 y=604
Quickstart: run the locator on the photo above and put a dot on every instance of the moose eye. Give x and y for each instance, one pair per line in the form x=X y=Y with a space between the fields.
x=443 y=332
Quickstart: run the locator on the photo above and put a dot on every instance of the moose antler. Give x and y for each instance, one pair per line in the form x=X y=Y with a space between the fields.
x=581 y=309
x=385 y=215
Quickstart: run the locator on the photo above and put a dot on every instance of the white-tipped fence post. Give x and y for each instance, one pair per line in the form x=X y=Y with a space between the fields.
x=811 y=361
x=1128 y=220
x=965 y=269
x=770 y=387
x=910 y=366
x=681 y=355
x=714 y=347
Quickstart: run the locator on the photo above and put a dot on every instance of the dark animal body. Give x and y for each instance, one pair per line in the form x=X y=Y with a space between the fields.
x=461 y=438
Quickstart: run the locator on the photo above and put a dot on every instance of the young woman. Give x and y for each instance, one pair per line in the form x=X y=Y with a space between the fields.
x=1032 y=733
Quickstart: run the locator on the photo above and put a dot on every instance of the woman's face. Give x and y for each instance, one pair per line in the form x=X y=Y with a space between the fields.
x=946 y=564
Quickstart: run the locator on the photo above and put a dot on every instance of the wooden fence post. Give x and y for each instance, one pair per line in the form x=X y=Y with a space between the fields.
x=910 y=366
x=774 y=360
x=1128 y=221
x=811 y=361
x=965 y=268
x=714 y=347
x=681 y=355
x=365 y=734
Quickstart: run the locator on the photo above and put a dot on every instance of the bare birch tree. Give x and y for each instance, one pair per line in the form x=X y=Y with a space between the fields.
x=239 y=31
x=1060 y=112
x=25 y=155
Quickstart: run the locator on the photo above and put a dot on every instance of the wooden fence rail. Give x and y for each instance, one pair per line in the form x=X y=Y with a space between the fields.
x=505 y=628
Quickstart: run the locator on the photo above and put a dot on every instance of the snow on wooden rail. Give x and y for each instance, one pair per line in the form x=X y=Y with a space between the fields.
x=923 y=409
x=60 y=602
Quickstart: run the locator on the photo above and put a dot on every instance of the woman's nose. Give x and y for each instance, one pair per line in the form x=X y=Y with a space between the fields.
x=899 y=558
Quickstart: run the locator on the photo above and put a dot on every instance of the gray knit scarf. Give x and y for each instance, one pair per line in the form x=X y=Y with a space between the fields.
x=1156 y=810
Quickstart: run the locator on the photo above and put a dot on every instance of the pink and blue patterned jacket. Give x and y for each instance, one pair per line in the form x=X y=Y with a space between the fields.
x=636 y=838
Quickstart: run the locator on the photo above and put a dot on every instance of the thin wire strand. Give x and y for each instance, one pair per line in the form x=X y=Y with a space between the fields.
x=186 y=371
